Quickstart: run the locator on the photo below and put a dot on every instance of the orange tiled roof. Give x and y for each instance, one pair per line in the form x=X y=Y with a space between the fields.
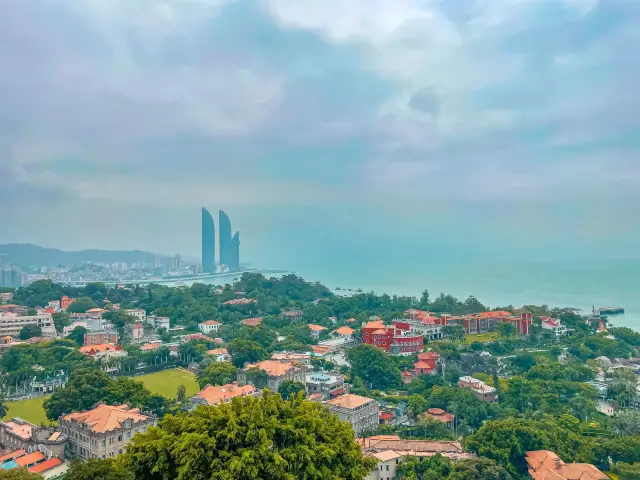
x=380 y=331
x=147 y=347
x=216 y=395
x=218 y=351
x=29 y=459
x=316 y=328
x=546 y=465
x=375 y=324
x=252 y=322
x=46 y=465
x=105 y=418
x=320 y=349
x=428 y=356
x=102 y=347
x=345 y=331
x=273 y=368
x=350 y=401
x=423 y=365
x=210 y=322
x=499 y=313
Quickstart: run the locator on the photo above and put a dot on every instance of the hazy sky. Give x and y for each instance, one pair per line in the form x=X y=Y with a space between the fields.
x=376 y=131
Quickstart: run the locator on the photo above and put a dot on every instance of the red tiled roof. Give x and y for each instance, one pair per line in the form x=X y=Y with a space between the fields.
x=46 y=465
x=29 y=459
x=105 y=418
x=216 y=395
x=423 y=366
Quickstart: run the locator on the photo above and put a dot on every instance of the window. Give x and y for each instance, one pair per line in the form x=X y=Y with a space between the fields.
x=387 y=468
x=104 y=443
x=120 y=437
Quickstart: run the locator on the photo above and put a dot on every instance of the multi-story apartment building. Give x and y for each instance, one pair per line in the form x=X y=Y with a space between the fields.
x=104 y=431
x=160 y=322
x=99 y=338
x=16 y=434
x=277 y=372
x=361 y=412
x=11 y=324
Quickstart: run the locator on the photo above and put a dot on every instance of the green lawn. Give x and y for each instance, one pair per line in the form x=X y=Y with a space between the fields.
x=166 y=383
x=481 y=337
x=30 y=410
x=163 y=383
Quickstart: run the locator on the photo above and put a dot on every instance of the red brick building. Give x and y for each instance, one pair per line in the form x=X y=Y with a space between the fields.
x=489 y=321
x=394 y=339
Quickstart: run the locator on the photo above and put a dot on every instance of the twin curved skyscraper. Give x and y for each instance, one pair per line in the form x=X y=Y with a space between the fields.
x=229 y=246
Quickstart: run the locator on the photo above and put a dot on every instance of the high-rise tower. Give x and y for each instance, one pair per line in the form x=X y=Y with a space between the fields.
x=226 y=249
x=235 y=250
x=208 y=242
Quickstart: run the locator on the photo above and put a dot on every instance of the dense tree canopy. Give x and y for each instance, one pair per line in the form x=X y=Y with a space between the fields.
x=374 y=367
x=250 y=438
x=97 y=469
x=289 y=389
x=81 y=305
x=507 y=440
x=217 y=373
x=88 y=386
x=443 y=468
x=246 y=351
x=30 y=331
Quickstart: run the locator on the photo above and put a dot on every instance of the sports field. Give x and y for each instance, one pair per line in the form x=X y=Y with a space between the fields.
x=30 y=410
x=481 y=337
x=166 y=382
x=163 y=383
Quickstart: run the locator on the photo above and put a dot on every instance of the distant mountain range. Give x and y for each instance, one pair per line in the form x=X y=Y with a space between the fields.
x=25 y=255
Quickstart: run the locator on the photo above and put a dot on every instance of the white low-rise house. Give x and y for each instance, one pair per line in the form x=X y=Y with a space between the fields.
x=316 y=330
x=605 y=407
x=345 y=333
x=220 y=354
x=209 y=326
x=553 y=325
x=139 y=313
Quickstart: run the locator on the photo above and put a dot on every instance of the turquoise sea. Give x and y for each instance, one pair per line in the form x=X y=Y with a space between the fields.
x=578 y=284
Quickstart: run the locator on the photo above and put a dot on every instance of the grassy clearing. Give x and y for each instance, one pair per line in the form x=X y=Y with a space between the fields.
x=166 y=382
x=30 y=410
x=163 y=383
x=481 y=337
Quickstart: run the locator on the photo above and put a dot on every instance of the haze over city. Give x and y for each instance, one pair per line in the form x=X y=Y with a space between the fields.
x=385 y=137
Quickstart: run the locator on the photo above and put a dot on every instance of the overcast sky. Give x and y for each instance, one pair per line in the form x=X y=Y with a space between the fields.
x=384 y=129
